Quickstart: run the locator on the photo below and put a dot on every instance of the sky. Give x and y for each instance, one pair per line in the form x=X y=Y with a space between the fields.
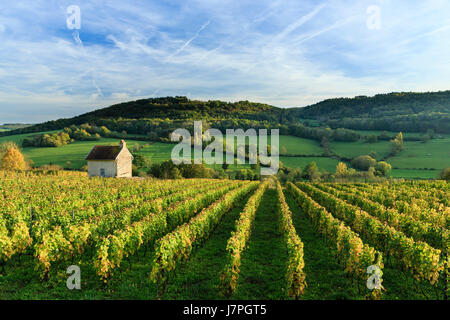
x=55 y=63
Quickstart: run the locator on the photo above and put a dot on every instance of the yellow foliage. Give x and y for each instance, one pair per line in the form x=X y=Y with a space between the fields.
x=13 y=160
x=341 y=169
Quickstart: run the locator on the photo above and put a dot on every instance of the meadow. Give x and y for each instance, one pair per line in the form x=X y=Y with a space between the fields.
x=417 y=160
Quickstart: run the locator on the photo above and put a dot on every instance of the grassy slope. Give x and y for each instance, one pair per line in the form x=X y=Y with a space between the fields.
x=18 y=138
x=433 y=154
x=328 y=164
x=415 y=174
x=415 y=156
x=74 y=152
x=354 y=149
x=301 y=146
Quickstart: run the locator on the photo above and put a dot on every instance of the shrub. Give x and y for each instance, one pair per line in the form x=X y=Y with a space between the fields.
x=445 y=174
x=12 y=158
x=363 y=163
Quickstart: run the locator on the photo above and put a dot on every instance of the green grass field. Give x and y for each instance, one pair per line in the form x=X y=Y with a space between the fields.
x=414 y=174
x=157 y=151
x=358 y=148
x=18 y=138
x=435 y=154
x=328 y=164
x=300 y=146
x=75 y=152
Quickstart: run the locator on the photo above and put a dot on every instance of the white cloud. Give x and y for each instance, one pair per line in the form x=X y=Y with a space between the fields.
x=286 y=53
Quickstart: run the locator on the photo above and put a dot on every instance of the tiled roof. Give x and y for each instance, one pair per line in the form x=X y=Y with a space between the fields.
x=104 y=153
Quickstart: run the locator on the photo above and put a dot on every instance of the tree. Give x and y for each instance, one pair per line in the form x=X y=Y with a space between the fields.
x=141 y=162
x=341 y=169
x=445 y=174
x=311 y=171
x=175 y=173
x=294 y=175
x=363 y=163
x=104 y=131
x=397 y=144
x=13 y=159
x=382 y=168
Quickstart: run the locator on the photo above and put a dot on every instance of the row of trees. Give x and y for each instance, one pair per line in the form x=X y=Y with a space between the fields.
x=368 y=170
x=365 y=163
x=169 y=170
x=68 y=135
x=11 y=158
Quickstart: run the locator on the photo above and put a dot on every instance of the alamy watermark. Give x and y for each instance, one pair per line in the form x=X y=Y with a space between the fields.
x=373 y=21
x=73 y=20
x=235 y=143
x=74 y=280
x=374 y=280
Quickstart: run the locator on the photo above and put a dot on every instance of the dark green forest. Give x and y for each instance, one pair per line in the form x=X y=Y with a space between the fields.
x=398 y=111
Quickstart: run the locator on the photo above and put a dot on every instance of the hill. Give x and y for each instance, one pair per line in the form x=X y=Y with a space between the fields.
x=170 y=110
x=404 y=111
x=398 y=111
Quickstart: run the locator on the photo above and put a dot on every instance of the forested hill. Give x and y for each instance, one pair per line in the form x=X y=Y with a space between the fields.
x=181 y=108
x=398 y=111
x=166 y=110
x=408 y=112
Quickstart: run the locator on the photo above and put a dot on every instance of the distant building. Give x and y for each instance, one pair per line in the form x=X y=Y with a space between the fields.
x=110 y=161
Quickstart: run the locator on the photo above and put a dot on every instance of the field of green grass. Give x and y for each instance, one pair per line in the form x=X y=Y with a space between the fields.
x=157 y=151
x=300 y=146
x=414 y=174
x=328 y=164
x=75 y=152
x=435 y=154
x=18 y=138
x=358 y=148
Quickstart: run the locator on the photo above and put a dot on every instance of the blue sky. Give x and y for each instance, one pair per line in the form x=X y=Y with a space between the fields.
x=286 y=53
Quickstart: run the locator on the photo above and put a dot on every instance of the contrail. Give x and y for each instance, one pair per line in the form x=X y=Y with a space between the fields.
x=299 y=23
x=191 y=39
x=76 y=37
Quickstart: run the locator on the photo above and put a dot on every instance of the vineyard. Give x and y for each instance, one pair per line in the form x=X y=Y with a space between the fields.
x=220 y=239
